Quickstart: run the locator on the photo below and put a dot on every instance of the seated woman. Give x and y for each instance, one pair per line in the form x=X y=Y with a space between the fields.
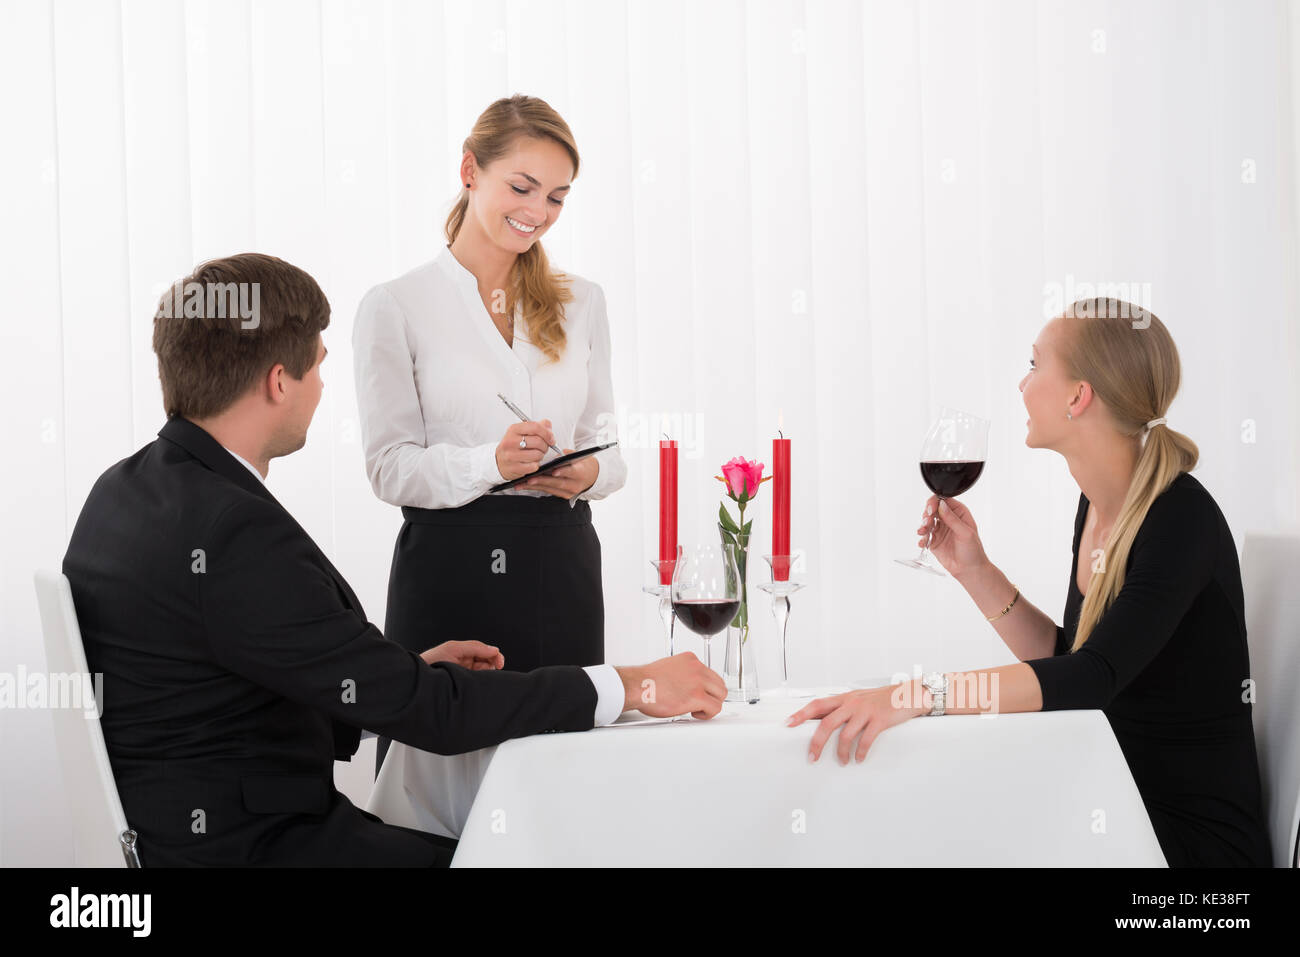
x=1155 y=631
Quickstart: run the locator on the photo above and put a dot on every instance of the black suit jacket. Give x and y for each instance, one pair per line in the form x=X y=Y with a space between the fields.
x=238 y=666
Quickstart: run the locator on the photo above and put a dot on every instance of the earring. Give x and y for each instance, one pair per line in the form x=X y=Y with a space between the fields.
x=467 y=185
x=1069 y=415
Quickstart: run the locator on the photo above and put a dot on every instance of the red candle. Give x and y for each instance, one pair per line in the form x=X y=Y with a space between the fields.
x=667 y=508
x=781 y=507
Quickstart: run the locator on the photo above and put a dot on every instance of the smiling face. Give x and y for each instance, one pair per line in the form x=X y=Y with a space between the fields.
x=1048 y=391
x=520 y=196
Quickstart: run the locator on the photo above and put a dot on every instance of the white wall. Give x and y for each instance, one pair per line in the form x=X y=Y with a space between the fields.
x=844 y=214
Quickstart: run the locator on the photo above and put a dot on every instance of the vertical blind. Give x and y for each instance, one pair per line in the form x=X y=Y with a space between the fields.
x=826 y=216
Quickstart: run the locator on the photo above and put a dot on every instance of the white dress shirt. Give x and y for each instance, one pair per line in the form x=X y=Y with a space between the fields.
x=247 y=464
x=429 y=363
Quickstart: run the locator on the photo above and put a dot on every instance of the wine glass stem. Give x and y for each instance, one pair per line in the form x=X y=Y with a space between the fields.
x=929 y=537
x=669 y=619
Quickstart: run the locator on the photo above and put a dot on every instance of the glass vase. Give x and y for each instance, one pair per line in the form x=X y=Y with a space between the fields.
x=739 y=667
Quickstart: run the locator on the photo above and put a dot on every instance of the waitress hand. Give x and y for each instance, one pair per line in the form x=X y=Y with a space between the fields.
x=473 y=655
x=515 y=461
x=955 y=541
x=568 y=480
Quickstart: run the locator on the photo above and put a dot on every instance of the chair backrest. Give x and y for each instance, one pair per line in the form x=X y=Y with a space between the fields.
x=101 y=837
x=1270 y=576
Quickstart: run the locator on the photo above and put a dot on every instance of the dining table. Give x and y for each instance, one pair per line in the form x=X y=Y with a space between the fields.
x=1041 y=789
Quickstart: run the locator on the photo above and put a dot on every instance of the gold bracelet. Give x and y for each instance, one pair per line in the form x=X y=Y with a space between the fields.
x=1014 y=598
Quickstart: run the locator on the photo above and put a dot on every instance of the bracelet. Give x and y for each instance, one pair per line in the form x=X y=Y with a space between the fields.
x=1014 y=598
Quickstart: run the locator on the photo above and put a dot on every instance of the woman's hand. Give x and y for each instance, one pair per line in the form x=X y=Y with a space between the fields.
x=568 y=480
x=854 y=713
x=955 y=542
x=515 y=460
x=473 y=655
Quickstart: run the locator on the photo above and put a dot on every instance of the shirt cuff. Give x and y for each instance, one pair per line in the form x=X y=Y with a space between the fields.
x=609 y=693
x=595 y=493
x=486 y=466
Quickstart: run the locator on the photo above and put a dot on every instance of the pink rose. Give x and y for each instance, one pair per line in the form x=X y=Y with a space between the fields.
x=742 y=477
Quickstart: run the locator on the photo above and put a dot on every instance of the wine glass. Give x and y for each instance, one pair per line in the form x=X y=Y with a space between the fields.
x=952 y=458
x=706 y=590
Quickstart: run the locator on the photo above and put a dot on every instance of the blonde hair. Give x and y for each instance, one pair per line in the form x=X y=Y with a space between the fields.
x=533 y=285
x=1128 y=357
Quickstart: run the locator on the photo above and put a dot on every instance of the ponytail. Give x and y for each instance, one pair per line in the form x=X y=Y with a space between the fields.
x=1129 y=358
x=1165 y=455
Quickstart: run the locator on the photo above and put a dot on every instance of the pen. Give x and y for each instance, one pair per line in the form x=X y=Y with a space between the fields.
x=522 y=418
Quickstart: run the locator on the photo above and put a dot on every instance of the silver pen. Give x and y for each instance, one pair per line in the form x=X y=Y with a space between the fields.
x=523 y=418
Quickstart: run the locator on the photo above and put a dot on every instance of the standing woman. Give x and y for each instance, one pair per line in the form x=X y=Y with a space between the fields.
x=518 y=569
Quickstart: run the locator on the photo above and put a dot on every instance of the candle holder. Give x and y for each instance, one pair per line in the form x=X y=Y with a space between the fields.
x=781 y=587
x=663 y=569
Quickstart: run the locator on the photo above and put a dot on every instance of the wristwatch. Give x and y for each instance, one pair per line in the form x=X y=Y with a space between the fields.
x=937 y=684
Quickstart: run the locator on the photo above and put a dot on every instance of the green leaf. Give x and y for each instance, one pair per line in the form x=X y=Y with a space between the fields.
x=726 y=521
x=745 y=530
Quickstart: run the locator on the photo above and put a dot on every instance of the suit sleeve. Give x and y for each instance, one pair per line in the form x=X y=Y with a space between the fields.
x=274 y=614
x=1172 y=560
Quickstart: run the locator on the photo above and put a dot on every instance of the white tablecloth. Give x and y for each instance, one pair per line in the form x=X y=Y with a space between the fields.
x=1041 y=789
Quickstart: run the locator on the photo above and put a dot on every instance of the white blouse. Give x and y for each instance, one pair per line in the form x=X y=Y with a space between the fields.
x=429 y=363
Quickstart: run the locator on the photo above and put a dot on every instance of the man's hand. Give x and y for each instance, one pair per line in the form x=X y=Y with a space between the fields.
x=473 y=655
x=668 y=687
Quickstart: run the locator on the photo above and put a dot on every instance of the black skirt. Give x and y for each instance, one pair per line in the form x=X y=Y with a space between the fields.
x=514 y=571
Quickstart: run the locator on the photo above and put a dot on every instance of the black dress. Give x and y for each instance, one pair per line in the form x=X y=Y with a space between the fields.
x=1168 y=664
x=519 y=572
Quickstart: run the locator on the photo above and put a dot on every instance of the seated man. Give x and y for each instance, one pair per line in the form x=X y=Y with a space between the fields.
x=238 y=664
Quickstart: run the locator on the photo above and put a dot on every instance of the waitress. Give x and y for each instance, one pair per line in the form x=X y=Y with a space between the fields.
x=518 y=569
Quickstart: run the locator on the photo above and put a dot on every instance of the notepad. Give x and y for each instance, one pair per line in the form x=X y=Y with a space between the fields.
x=554 y=464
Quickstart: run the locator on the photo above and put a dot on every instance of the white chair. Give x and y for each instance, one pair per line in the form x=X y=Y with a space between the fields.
x=101 y=837
x=1270 y=575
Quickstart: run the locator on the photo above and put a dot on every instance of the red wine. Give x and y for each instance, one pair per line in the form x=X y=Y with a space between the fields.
x=706 y=616
x=950 y=479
